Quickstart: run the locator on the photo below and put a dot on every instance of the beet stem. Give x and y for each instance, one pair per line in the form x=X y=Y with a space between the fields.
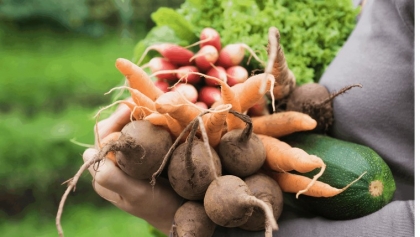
x=267 y=211
x=247 y=132
x=341 y=91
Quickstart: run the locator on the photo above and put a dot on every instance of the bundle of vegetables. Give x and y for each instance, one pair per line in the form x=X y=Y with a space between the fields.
x=231 y=168
x=197 y=69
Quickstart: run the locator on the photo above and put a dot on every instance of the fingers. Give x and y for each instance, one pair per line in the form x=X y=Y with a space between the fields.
x=112 y=178
x=113 y=123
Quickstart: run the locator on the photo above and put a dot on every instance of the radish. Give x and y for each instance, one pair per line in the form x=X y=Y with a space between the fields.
x=187 y=74
x=209 y=95
x=188 y=91
x=218 y=72
x=205 y=57
x=176 y=54
x=233 y=54
x=201 y=104
x=157 y=64
x=162 y=84
x=236 y=74
x=210 y=36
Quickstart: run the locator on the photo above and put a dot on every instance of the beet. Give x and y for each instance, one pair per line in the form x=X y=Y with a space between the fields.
x=315 y=100
x=140 y=149
x=191 y=220
x=241 y=151
x=265 y=188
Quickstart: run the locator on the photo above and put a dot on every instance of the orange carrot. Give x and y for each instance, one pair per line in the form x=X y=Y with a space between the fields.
x=280 y=156
x=293 y=183
x=139 y=98
x=138 y=78
x=214 y=124
x=248 y=92
x=167 y=122
x=282 y=123
x=110 y=137
x=177 y=107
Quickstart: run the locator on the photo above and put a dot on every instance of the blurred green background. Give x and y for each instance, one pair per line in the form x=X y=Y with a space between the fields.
x=57 y=61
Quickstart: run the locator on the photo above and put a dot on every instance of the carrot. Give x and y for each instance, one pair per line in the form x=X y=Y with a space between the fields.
x=228 y=96
x=138 y=98
x=248 y=93
x=138 y=78
x=282 y=123
x=214 y=124
x=167 y=122
x=285 y=80
x=282 y=157
x=293 y=183
x=110 y=137
x=175 y=104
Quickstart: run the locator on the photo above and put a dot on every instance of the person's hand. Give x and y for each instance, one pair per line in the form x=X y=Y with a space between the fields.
x=157 y=205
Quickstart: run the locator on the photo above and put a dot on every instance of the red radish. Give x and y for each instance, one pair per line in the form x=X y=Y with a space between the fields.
x=163 y=85
x=201 y=104
x=236 y=74
x=174 y=53
x=233 y=54
x=218 y=72
x=209 y=95
x=188 y=91
x=210 y=36
x=157 y=64
x=185 y=75
x=205 y=57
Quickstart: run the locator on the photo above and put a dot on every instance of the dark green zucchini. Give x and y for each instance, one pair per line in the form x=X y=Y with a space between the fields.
x=345 y=162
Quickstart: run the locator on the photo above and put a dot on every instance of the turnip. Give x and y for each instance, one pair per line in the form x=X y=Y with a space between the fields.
x=229 y=202
x=265 y=188
x=241 y=151
x=191 y=220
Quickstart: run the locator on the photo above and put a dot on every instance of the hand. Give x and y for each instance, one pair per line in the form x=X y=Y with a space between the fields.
x=157 y=205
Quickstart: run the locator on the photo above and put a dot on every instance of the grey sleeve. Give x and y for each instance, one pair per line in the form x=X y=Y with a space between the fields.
x=379 y=54
x=396 y=219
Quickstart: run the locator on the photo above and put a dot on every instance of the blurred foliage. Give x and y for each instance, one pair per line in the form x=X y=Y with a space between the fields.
x=53 y=85
x=92 y=17
x=82 y=220
x=311 y=31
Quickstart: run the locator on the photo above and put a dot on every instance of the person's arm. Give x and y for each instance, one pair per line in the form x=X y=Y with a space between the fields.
x=379 y=54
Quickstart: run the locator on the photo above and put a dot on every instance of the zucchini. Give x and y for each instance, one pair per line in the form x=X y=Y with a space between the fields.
x=345 y=162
